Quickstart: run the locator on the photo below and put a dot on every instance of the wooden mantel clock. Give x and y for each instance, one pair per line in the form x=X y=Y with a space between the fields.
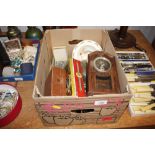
x=102 y=74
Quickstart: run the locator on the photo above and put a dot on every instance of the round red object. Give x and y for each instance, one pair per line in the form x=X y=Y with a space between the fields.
x=13 y=113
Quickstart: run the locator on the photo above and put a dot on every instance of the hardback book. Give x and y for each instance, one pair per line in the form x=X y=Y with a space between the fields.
x=77 y=82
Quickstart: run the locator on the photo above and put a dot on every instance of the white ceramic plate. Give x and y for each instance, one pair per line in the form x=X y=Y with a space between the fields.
x=82 y=49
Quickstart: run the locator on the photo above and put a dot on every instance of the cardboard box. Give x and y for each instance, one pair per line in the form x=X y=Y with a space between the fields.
x=68 y=110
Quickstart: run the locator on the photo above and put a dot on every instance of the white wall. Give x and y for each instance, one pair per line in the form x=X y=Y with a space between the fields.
x=148 y=31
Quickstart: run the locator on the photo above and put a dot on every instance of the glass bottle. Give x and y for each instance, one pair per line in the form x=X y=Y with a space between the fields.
x=13 y=32
x=33 y=33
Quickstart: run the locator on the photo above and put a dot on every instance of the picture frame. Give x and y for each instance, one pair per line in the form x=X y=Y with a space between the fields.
x=135 y=66
x=132 y=56
x=12 y=45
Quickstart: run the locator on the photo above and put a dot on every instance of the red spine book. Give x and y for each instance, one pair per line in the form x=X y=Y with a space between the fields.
x=78 y=75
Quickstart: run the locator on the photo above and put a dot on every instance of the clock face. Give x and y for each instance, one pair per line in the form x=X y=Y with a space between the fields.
x=102 y=64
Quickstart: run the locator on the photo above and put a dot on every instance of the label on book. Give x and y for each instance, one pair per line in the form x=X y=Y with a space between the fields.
x=101 y=102
x=18 y=79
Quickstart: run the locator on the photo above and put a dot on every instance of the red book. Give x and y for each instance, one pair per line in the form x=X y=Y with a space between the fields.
x=78 y=76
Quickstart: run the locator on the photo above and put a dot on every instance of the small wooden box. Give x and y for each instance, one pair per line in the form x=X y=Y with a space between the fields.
x=55 y=84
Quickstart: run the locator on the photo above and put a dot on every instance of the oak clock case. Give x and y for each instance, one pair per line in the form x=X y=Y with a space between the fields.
x=102 y=74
